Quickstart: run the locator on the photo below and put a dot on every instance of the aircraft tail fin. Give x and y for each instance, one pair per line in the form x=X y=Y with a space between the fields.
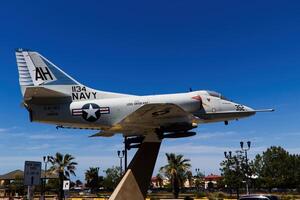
x=36 y=71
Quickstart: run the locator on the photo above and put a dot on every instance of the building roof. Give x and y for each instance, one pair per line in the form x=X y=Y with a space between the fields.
x=19 y=173
x=155 y=178
x=11 y=175
x=213 y=177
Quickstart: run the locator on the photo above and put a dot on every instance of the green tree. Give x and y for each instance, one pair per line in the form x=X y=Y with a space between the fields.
x=199 y=180
x=274 y=171
x=64 y=166
x=256 y=167
x=276 y=168
x=17 y=186
x=233 y=170
x=52 y=185
x=293 y=175
x=78 y=183
x=92 y=178
x=176 y=167
x=112 y=178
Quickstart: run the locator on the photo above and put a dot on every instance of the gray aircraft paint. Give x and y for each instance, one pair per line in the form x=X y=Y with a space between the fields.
x=51 y=96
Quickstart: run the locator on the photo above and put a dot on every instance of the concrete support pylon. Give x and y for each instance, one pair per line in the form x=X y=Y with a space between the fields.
x=135 y=183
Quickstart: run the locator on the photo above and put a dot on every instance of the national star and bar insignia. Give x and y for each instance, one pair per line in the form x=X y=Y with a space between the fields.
x=90 y=112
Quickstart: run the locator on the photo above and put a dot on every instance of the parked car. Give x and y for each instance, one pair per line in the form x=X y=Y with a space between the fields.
x=259 y=197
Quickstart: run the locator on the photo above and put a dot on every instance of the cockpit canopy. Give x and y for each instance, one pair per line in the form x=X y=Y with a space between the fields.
x=216 y=94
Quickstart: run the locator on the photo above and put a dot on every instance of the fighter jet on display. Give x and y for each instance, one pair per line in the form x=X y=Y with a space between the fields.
x=52 y=96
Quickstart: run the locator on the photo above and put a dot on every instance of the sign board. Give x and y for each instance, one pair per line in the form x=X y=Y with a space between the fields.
x=66 y=185
x=32 y=173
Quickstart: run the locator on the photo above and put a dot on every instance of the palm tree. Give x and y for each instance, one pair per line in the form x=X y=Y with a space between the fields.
x=174 y=169
x=159 y=180
x=189 y=177
x=64 y=166
x=92 y=178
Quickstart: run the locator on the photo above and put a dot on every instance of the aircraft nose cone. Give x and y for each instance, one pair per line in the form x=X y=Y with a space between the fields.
x=248 y=109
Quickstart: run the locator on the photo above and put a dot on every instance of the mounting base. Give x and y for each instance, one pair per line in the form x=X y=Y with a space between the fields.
x=135 y=183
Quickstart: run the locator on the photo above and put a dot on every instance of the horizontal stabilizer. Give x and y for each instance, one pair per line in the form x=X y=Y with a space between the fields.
x=41 y=95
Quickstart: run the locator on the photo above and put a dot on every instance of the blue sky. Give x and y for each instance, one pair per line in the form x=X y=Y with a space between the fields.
x=248 y=51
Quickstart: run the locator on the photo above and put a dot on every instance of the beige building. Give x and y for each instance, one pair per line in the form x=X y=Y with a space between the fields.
x=210 y=180
x=17 y=175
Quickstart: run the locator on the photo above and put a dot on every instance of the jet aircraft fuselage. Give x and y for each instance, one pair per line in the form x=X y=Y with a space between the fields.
x=52 y=96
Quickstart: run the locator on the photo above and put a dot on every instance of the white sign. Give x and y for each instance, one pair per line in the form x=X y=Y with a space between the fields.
x=32 y=173
x=66 y=185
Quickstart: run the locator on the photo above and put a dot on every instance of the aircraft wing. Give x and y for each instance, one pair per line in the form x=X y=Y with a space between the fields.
x=148 y=117
x=155 y=115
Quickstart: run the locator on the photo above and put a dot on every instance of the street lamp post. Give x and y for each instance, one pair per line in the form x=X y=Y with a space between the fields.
x=46 y=160
x=121 y=156
x=125 y=155
x=228 y=155
x=197 y=171
x=245 y=150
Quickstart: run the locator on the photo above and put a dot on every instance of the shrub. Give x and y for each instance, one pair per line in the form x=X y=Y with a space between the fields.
x=200 y=194
x=287 y=197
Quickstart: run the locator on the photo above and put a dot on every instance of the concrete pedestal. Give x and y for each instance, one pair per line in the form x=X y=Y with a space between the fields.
x=135 y=183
